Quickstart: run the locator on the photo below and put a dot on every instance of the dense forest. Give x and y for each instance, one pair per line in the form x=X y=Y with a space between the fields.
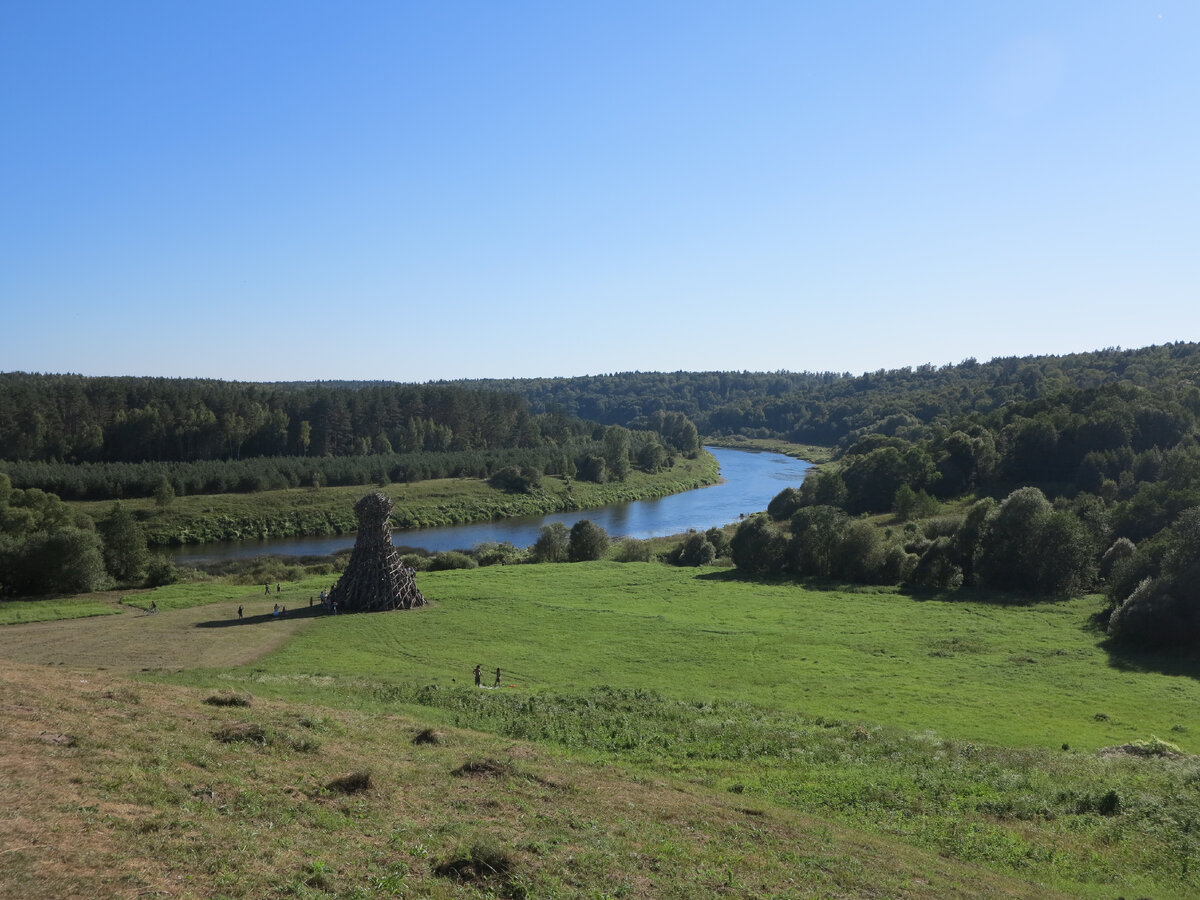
x=1061 y=475
x=830 y=409
x=71 y=418
x=102 y=438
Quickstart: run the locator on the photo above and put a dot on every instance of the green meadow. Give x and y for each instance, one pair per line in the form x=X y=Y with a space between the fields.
x=825 y=741
x=969 y=729
x=1030 y=676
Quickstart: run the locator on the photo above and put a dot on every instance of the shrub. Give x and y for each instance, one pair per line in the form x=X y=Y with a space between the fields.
x=816 y=533
x=857 y=555
x=60 y=561
x=633 y=550
x=784 y=504
x=694 y=551
x=517 y=479
x=451 y=559
x=416 y=561
x=490 y=553
x=758 y=547
x=161 y=571
x=1122 y=548
x=937 y=567
x=588 y=541
x=719 y=539
x=551 y=544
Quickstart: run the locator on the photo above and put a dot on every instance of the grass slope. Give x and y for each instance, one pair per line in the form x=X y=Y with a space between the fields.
x=931 y=726
x=120 y=790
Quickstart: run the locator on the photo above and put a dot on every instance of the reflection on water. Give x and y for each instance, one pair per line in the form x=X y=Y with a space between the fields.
x=749 y=482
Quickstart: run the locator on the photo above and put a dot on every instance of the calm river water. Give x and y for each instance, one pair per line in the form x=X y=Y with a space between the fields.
x=750 y=481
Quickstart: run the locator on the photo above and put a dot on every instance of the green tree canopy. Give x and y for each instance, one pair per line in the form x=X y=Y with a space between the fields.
x=588 y=541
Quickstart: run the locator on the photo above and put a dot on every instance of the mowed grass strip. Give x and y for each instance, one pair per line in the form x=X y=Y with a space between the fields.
x=120 y=789
x=195 y=626
x=17 y=612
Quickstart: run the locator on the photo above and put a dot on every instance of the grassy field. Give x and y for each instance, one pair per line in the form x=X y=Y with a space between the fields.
x=422 y=504
x=115 y=789
x=1033 y=676
x=658 y=732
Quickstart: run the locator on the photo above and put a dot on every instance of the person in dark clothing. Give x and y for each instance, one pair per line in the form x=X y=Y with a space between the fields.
x=497 y=684
x=478 y=675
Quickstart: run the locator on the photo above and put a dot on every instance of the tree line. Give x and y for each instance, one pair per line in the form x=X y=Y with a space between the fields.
x=166 y=480
x=1071 y=487
x=101 y=438
x=836 y=409
x=72 y=418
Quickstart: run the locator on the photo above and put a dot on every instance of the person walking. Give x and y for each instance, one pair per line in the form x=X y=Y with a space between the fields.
x=497 y=684
x=478 y=675
x=239 y=610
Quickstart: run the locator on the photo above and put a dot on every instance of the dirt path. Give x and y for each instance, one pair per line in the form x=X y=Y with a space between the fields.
x=200 y=637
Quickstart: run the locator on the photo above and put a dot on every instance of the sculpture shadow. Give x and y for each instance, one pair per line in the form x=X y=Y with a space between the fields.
x=300 y=612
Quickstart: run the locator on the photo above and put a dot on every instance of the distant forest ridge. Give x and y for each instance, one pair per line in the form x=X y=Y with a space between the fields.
x=828 y=408
x=73 y=418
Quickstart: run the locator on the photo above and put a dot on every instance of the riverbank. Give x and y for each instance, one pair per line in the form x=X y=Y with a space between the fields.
x=315 y=512
x=812 y=453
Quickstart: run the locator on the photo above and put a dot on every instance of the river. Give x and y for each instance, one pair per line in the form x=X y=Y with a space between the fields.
x=749 y=481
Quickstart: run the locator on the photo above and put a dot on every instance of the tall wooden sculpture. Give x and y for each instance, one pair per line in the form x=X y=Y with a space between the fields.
x=375 y=579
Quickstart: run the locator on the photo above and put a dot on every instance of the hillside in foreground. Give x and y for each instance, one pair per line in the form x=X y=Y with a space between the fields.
x=115 y=788
x=627 y=753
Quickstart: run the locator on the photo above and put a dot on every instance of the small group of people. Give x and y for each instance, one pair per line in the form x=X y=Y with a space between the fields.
x=327 y=602
x=479 y=676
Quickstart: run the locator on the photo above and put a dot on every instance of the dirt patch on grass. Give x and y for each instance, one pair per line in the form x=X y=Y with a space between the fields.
x=428 y=737
x=241 y=732
x=227 y=699
x=168 y=640
x=485 y=768
x=484 y=866
x=353 y=783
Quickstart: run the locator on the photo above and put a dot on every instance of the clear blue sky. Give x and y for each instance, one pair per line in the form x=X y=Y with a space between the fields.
x=413 y=191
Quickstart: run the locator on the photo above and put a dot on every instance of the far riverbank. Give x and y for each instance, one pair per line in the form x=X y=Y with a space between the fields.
x=314 y=512
x=748 y=482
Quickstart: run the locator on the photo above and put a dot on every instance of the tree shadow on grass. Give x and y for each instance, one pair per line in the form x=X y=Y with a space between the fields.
x=1162 y=661
x=736 y=575
x=301 y=612
x=986 y=596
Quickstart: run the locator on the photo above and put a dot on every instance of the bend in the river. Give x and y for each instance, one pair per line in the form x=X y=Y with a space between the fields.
x=748 y=482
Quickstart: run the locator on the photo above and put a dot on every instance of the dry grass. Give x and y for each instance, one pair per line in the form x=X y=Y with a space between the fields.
x=200 y=637
x=118 y=789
